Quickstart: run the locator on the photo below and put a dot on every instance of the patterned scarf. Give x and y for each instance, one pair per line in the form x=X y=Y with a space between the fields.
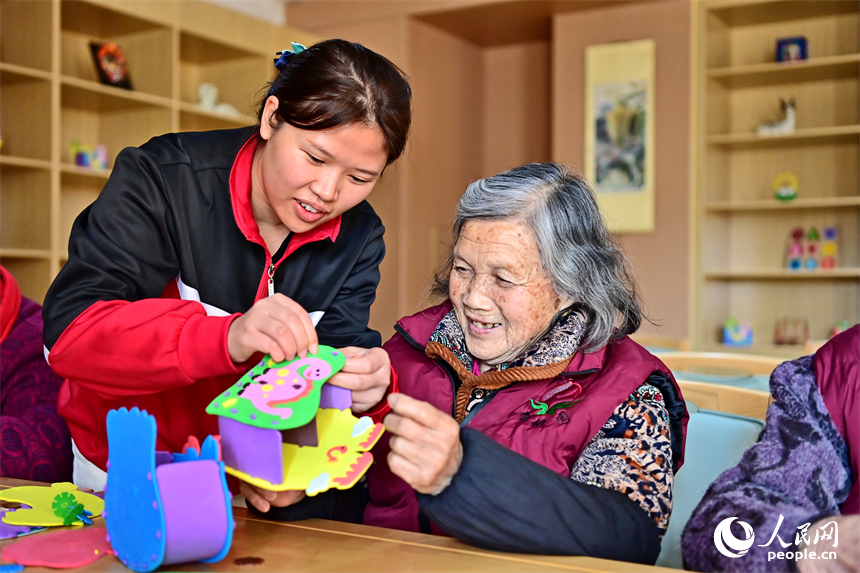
x=545 y=358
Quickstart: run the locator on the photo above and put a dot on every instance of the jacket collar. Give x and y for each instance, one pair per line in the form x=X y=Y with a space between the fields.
x=421 y=326
x=240 y=195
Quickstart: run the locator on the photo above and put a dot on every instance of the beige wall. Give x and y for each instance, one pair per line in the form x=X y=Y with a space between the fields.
x=661 y=258
x=517 y=106
x=479 y=110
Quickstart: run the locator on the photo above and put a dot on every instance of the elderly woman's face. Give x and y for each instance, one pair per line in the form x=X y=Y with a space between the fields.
x=502 y=297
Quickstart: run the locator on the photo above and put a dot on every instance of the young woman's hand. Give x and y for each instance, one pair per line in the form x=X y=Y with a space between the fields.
x=275 y=324
x=425 y=447
x=264 y=499
x=367 y=373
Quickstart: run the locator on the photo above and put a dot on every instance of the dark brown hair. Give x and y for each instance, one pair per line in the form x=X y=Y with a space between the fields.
x=336 y=83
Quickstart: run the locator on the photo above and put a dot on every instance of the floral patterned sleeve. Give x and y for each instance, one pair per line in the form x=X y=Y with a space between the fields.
x=632 y=454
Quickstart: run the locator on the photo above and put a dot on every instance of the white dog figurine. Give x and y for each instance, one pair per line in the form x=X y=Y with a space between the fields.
x=784 y=126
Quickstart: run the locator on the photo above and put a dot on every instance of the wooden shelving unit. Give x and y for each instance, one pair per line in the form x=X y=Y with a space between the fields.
x=50 y=96
x=740 y=231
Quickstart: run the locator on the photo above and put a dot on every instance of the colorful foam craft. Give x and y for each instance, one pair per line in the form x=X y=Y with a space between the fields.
x=60 y=504
x=283 y=428
x=163 y=508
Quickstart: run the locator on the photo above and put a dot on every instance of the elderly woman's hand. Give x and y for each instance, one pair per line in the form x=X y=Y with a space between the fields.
x=264 y=499
x=367 y=373
x=425 y=448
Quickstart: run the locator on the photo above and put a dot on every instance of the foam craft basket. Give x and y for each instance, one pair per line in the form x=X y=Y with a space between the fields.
x=162 y=509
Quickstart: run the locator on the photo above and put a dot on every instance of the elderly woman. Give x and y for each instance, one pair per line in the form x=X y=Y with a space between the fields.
x=527 y=420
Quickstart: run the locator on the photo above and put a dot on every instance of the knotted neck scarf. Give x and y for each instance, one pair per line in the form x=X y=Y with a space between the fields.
x=545 y=358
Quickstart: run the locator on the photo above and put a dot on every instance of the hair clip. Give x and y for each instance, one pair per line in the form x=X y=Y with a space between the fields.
x=281 y=61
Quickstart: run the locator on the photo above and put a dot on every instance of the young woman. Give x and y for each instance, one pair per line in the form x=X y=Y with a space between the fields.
x=206 y=249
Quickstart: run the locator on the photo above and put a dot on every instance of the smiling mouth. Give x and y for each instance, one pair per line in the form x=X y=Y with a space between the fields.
x=485 y=325
x=308 y=208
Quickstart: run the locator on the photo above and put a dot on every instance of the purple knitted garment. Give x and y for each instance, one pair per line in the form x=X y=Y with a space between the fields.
x=799 y=469
x=35 y=443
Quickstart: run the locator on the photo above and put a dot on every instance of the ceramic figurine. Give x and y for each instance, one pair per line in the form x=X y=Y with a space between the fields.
x=784 y=126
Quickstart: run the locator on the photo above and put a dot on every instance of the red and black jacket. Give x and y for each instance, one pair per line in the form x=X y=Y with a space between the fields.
x=159 y=266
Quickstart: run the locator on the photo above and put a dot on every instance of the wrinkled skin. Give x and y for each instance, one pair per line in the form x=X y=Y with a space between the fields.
x=503 y=298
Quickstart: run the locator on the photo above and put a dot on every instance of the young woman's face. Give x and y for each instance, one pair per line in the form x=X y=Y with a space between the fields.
x=303 y=178
x=502 y=296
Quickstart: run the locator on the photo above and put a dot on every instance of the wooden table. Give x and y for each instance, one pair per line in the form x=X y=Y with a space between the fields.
x=318 y=545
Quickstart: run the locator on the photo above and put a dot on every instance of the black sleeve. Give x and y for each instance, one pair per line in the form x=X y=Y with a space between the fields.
x=503 y=501
x=120 y=246
x=335 y=504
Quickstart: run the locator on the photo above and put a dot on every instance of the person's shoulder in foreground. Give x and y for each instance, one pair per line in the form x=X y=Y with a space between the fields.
x=792 y=502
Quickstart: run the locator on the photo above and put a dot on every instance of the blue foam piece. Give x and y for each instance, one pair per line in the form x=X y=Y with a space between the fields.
x=133 y=513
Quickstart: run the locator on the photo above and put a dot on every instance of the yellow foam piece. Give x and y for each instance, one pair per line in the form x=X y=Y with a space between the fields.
x=41 y=500
x=339 y=461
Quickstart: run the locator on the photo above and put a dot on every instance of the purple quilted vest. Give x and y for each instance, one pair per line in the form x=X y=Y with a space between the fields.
x=607 y=377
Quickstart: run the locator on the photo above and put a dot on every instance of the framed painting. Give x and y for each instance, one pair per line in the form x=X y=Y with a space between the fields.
x=619 y=132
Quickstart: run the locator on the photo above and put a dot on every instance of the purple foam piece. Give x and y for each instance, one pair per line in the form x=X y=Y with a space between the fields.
x=195 y=511
x=7 y=530
x=251 y=450
x=163 y=458
x=332 y=396
x=302 y=436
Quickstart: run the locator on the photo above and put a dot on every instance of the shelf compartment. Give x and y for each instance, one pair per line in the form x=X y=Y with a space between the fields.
x=91 y=113
x=231 y=69
x=745 y=33
x=730 y=255
x=822 y=303
x=775 y=205
x=32 y=275
x=148 y=46
x=25 y=221
x=25 y=95
x=17 y=45
x=825 y=170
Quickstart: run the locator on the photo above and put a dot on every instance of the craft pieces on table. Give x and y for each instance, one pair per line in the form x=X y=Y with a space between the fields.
x=162 y=509
x=283 y=428
x=60 y=504
x=62 y=549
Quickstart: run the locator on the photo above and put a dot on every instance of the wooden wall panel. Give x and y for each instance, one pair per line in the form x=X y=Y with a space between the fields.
x=661 y=258
x=516 y=106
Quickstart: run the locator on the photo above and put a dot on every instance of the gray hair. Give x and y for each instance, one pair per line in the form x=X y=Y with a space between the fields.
x=583 y=260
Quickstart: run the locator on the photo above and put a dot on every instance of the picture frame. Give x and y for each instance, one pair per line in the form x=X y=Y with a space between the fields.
x=792 y=49
x=111 y=64
x=619 y=132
